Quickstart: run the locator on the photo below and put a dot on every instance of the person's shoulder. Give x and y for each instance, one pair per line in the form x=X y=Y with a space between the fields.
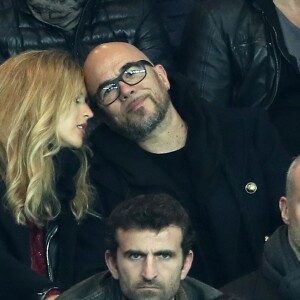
x=222 y=7
x=253 y=285
x=249 y=115
x=90 y=288
x=196 y=289
x=128 y=4
x=9 y=6
x=5 y=4
x=237 y=114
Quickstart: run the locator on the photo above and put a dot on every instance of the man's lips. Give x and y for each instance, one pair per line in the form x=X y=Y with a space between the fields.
x=148 y=286
x=135 y=104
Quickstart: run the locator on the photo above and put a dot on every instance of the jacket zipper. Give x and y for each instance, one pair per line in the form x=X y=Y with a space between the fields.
x=49 y=237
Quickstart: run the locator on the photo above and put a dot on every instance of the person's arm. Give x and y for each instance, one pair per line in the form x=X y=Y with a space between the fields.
x=90 y=249
x=49 y=294
x=17 y=279
x=205 y=55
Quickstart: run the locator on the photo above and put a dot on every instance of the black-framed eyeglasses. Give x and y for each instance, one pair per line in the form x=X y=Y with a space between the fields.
x=132 y=74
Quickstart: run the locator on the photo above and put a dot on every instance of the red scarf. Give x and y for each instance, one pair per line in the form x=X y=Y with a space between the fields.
x=37 y=249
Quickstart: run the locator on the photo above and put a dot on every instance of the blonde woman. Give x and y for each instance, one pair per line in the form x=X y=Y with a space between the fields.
x=43 y=167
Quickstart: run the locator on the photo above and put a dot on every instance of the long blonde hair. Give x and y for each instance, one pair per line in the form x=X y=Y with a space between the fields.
x=36 y=87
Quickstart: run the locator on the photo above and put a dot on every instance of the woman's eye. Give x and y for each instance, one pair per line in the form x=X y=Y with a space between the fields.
x=79 y=100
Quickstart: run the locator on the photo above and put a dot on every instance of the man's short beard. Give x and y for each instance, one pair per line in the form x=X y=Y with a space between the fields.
x=138 y=131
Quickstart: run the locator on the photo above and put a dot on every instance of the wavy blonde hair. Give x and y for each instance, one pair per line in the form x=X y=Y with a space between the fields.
x=36 y=87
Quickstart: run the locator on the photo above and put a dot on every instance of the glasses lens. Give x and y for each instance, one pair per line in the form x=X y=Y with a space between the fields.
x=131 y=76
x=109 y=93
x=134 y=74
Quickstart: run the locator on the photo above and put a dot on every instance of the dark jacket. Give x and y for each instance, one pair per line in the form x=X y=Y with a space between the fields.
x=226 y=149
x=132 y=21
x=103 y=287
x=234 y=50
x=279 y=275
x=174 y=14
x=254 y=286
x=73 y=249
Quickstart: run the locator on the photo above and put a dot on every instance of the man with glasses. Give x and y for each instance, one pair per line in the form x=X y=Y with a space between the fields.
x=226 y=167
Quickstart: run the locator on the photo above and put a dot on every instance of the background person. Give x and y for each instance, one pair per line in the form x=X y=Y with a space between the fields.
x=246 y=53
x=174 y=14
x=149 y=242
x=279 y=275
x=79 y=25
x=44 y=194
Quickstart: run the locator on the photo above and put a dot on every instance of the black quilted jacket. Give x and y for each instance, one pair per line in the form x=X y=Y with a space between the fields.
x=132 y=21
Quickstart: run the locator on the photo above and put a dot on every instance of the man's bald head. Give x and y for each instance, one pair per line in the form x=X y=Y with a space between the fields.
x=105 y=60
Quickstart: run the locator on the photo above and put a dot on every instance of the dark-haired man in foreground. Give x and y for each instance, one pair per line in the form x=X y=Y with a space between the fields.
x=149 y=242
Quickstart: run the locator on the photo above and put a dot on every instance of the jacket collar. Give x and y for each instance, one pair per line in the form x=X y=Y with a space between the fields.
x=62 y=14
x=269 y=14
x=281 y=265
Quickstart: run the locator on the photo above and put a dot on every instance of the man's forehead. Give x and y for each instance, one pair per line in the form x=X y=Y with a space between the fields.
x=106 y=60
x=105 y=71
x=170 y=234
x=117 y=68
x=297 y=173
x=296 y=179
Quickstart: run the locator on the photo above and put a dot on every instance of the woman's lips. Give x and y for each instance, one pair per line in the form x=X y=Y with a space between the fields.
x=82 y=128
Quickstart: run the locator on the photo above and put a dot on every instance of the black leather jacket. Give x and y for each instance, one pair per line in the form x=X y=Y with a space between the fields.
x=234 y=50
x=132 y=21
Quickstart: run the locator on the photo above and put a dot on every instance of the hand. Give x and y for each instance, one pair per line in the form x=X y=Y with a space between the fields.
x=52 y=297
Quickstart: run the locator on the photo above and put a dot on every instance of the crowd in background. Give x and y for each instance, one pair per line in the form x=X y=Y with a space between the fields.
x=217 y=130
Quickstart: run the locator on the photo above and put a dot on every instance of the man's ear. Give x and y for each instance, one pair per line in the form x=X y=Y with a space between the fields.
x=284 y=209
x=187 y=264
x=162 y=74
x=111 y=264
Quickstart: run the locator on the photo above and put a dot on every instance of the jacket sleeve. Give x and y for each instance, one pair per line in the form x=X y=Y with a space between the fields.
x=152 y=38
x=110 y=187
x=205 y=55
x=90 y=249
x=18 y=281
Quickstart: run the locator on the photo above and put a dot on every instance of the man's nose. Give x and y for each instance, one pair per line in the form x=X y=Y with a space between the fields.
x=149 y=271
x=125 y=90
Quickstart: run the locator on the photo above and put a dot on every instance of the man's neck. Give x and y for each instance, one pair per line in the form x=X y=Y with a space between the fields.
x=291 y=9
x=170 y=135
x=288 y=3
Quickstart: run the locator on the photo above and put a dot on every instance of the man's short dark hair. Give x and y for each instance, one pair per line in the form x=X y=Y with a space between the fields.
x=149 y=211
